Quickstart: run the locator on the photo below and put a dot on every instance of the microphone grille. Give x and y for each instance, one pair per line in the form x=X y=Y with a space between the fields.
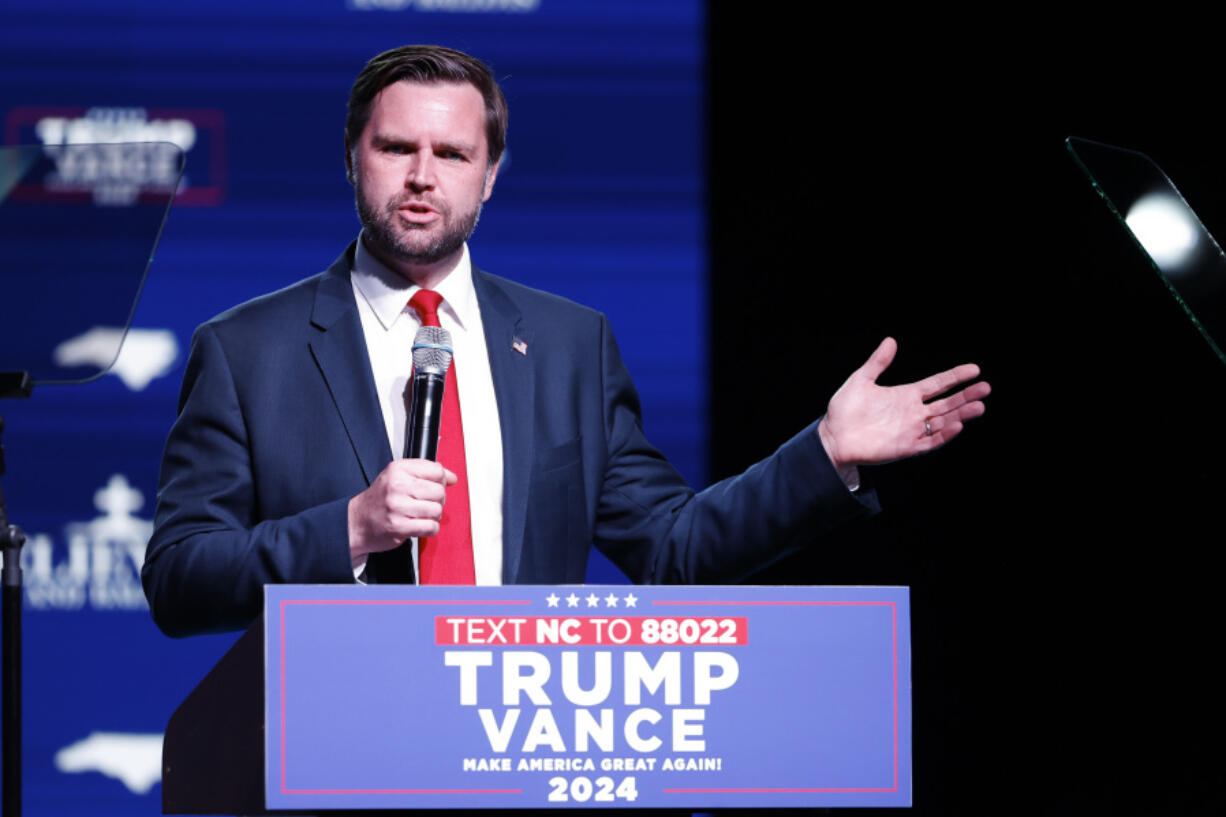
x=432 y=350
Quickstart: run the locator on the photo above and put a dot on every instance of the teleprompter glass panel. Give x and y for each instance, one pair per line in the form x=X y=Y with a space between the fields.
x=1179 y=246
x=78 y=227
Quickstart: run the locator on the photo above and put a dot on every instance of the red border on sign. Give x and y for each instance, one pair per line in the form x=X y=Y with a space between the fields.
x=495 y=602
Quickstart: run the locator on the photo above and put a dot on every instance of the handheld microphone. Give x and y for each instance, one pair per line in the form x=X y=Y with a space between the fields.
x=432 y=355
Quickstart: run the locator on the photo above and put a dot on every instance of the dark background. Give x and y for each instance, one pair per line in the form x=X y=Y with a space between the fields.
x=1062 y=554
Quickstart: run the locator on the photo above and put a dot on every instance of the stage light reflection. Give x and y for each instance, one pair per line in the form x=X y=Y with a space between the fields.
x=1166 y=229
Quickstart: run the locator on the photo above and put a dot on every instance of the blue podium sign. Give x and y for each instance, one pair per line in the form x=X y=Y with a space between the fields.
x=388 y=697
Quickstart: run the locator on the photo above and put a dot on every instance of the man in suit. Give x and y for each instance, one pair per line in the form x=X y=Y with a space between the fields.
x=280 y=467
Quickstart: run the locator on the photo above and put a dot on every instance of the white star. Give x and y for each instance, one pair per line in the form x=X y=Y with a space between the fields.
x=572 y=600
x=631 y=600
x=593 y=600
x=552 y=599
x=610 y=600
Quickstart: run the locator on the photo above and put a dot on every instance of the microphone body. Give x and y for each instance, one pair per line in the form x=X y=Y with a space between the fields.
x=424 y=420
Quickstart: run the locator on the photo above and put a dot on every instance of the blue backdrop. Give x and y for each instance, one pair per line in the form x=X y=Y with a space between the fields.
x=600 y=201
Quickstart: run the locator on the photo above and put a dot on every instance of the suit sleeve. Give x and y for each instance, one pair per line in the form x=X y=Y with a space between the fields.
x=652 y=525
x=211 y=555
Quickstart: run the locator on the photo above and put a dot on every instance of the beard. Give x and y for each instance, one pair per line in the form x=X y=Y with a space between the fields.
x=390 y=237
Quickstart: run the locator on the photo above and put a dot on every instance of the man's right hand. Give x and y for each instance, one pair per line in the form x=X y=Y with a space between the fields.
x=404 y=501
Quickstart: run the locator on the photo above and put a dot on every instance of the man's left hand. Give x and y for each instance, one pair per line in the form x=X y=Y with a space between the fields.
x=866 y=423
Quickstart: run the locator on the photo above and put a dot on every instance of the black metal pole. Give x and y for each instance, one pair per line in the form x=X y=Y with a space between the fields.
x=11 y=540
x=12 y=679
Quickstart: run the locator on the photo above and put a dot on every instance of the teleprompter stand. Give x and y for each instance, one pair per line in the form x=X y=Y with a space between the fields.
x=12 y=385
x=63 y=317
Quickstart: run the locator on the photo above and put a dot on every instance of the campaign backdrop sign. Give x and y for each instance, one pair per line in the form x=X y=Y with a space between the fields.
x=517 y=697
x=600 y=198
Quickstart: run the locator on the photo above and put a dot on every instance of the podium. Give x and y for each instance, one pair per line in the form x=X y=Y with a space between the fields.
x=390 y=698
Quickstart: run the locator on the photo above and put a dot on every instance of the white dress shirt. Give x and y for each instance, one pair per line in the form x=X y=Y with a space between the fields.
x=390 y=325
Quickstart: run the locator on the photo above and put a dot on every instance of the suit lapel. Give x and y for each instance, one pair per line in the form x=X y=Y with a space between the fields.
x=514 y=389
x=339 y=348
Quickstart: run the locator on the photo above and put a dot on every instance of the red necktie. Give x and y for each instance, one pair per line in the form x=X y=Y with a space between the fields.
x=448 y=557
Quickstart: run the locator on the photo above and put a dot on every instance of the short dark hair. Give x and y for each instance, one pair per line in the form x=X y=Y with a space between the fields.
x=428 y=64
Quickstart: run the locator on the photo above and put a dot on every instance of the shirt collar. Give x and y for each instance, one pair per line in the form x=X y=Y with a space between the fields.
x=388 y=292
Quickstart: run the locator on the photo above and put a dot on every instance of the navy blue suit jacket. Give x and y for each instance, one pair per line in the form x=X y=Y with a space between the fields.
x=279 y=426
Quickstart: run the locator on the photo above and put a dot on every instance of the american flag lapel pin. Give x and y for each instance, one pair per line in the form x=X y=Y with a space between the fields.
x=519 y=346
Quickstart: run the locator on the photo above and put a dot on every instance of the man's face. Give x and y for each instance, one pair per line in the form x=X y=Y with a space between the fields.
x=420 y=169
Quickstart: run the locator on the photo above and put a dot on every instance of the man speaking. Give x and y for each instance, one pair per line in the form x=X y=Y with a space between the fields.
x=280 y=466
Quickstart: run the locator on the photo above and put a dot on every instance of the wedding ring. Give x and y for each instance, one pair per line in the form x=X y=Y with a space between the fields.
x=927 y=428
